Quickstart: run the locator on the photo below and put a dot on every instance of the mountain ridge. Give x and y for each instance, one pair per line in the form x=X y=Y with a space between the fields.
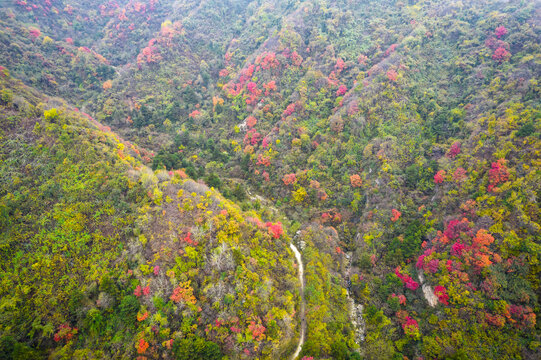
x=402 y=134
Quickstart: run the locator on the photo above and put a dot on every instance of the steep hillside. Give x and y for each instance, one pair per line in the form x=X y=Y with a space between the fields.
x=103 y=257
x=395 y=143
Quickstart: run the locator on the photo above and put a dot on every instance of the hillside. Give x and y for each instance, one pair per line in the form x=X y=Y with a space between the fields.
x=158 y=158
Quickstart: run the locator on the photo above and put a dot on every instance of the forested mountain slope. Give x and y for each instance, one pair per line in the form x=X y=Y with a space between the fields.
x=396 y=143
x=103 y=257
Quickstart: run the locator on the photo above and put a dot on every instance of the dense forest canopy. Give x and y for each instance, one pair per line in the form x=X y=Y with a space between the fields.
x=238 y=179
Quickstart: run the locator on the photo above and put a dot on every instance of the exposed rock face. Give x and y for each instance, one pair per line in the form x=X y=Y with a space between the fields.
x=427 y=290
x=355 y=310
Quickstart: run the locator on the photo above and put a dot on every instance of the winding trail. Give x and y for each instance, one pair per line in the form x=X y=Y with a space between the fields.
x=303 y=320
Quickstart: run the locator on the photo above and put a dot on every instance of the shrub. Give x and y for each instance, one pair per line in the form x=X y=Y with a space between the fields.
x=50 y=114
x=129 y=307
x=194 y=348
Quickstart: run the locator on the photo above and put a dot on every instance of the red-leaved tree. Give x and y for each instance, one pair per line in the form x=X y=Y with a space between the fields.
x=501 y=55
x=498 y=174
x=500 y=31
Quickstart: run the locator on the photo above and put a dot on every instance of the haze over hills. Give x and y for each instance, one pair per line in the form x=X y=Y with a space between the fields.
x=164 y=163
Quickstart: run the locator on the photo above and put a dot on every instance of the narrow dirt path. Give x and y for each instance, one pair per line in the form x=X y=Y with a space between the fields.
x=303 y=320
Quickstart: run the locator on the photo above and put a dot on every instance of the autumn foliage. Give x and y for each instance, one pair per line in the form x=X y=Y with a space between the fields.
x=500 y=31
x=411 y=327
x=142 y=346
x=107 y=85
x=251 y=121
x=289 y=179
x=501 y=54
x=406 y=279
x=439 y=177
x=441 y=293
x=396 y=215
x=392 y=75
x=275 y=229
x=142 y=316
x=498 y=174
x=195 y=114
x=355 y=180
x=65 y=333
x=183 y=292
x=416 y=105
x=454 y=150
x=34 y=33
x=341 y=90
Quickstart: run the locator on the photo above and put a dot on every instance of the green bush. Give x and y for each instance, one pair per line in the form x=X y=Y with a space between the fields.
x=196 y=348
x=129 y=306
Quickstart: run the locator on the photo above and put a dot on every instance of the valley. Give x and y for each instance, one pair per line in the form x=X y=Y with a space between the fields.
x=251 y=179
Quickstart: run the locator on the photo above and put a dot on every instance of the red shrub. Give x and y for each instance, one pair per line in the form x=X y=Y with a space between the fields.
x=441 y=293
x=439 y=177
x=454 y=150
x=65 y=332
x=142 y=346
x=392 y=75
x=269 y=87
x=500 y=31
x=501 y=55
x=341 y=90
x=498 y=174
x=391 y=49
x=457 y=249
x=251 y=121
x=289 y=179
x=396 y=215
x=195 y=113
x=459 y=175
x=289 y=110
x=340 y=64
x=34 y=33
x=275 y=230
x=263 y=160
